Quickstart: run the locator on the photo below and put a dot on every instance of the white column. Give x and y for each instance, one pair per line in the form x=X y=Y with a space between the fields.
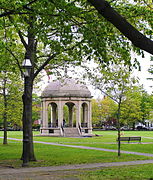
x=83 y=114
x=89 y=115
x=45 y=115
x=78 y=114
x=70 y=115
x=44 y=122
x=51 y=114
x=60 y=113
x=54 y=114
x=41 y=113
x=86 y=108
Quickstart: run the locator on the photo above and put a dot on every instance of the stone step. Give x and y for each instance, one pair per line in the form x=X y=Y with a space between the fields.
x=71 y=132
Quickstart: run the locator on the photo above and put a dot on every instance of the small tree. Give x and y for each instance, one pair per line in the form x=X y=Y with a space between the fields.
x=11 y=101
x=114 y=81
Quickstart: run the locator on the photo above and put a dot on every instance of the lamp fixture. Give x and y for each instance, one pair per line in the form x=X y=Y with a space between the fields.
x=26 y=65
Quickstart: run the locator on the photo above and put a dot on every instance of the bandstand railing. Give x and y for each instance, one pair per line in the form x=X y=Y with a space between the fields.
x=84 y=125
x=53 y=125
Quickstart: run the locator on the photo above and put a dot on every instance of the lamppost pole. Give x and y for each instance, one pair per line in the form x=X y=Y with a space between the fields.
x=26 y=105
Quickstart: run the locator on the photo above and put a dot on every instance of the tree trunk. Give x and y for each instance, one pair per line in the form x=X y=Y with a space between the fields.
x=137 y=38
x=5 y=112
x=118 y=127
x=28 y=148
x=133 y=126
x=5 y=128
x=119 y=143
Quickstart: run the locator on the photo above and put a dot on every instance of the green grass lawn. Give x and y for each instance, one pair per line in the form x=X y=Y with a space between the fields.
x=108 y=140
x=48 y=155
x=137 y=172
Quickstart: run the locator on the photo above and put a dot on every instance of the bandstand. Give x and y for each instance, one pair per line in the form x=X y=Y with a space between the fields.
x=66 y=109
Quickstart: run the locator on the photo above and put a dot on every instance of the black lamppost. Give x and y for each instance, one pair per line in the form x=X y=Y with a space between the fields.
x=27 y=66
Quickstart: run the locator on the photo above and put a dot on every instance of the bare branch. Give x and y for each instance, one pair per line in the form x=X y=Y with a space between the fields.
x=50 y=58
x=15 y=59
x=148 y=4
x=22 y=40
x=7 y=13
x=18 y=10
x=44 y=65
x=26 y=6
x=115 y=100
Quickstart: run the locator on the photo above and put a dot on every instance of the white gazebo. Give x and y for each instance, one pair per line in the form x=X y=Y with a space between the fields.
x=66 y=109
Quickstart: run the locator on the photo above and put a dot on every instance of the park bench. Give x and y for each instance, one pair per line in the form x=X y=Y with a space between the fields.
x=130 y=139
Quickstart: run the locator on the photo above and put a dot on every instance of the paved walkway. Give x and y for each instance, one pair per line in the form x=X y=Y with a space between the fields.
x=68 y=172
x=72 y=167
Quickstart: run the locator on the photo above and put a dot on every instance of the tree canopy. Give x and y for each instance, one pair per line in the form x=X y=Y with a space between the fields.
x=103 y=110
x=73 y=29
x=131 y=112
x=143 y=11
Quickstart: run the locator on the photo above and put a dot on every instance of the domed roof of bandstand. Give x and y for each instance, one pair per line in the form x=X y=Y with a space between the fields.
x=66 y=88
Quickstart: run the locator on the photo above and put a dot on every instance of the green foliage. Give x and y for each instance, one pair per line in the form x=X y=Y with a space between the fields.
x=137 y=106
x=36 y=108
x=13 y=90
x=102 y=110
x=71 y=30
x=131 y=106
x=146 y=106
x=66 y=113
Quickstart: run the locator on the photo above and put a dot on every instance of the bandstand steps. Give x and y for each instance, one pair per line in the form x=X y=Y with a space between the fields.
x=71 y=132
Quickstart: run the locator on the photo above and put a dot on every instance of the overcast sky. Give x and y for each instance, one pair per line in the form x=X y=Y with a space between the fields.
x=143 y=75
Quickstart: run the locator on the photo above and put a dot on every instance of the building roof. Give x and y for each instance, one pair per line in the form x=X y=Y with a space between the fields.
x=66 y=88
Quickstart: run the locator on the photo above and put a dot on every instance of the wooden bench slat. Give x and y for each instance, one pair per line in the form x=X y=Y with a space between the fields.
x=136 y=138
x=124 y=138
